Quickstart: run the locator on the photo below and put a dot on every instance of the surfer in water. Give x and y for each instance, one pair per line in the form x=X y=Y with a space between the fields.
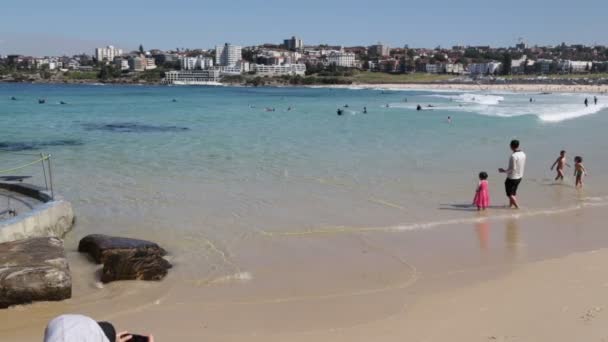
x=586 y=102
x=595 y=100
x=364 y=110
x=418 y=107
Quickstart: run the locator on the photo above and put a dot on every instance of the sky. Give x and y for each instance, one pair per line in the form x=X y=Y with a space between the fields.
x=42 y=27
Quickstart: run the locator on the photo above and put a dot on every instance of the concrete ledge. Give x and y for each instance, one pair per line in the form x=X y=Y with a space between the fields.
x=52 y=218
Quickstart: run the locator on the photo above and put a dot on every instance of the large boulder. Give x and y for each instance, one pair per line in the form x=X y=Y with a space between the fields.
x=100 y=246
x=33 y=269
x=134 y=265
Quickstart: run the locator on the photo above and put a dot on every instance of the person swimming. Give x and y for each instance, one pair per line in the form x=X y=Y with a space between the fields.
x=62 y=102
x=449 y=119
x=13 y=98
x=346 y=105
x=174 y=100
x=339 y=111
x=364 y=110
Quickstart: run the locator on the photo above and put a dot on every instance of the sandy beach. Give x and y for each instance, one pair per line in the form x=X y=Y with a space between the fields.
x=524 y=88
x=512 y=282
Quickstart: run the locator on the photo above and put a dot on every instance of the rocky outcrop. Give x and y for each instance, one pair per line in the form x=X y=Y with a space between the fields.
x=134 y=265
x=125 y=258
x=100 y=247
x=33 y=269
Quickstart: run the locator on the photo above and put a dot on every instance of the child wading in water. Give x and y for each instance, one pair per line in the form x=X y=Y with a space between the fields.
x=482 y=195
x=560 y=162
x=579 y=171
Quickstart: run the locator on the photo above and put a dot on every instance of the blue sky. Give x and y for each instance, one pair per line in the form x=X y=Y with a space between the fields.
x=51 y=27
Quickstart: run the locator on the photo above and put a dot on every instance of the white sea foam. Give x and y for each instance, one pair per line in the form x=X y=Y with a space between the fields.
x=240 y=276
x=548 y=110
x=474 y=98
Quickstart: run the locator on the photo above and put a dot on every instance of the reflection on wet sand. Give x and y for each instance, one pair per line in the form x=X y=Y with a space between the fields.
x=483 y=234
x=512 y=239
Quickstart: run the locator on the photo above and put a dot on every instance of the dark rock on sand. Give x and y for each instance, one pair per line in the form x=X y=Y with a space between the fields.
x=134 y=265
x=100 y=247
x=33 y=269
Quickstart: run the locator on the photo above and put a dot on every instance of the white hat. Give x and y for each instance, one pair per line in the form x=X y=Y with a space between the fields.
x=74 y=328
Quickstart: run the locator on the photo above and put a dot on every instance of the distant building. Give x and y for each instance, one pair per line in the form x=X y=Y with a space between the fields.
x=196 y=63
x=137 y=63
x=293 y=44
x=107 y=54
x=150 y=63
x=453 y=68
x=569 y=66
x=544 y=66
x=489 y=68
x=121 y=63
x=342 y=59
x=141 y=63
x=188 y=63
x=192 y=77
x=277 y=70
x=162 y=58
x=433 y=68
x=379 y=50
x=227 y=54
x=518 y=66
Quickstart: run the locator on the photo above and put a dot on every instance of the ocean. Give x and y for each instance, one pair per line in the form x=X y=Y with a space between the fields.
x=212 y=173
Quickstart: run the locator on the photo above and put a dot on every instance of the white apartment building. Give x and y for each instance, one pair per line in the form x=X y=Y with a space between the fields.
x=192 y=77
x=108 y=53
x=277 y=70
x=227 y=54
x=121 y=63
x=196 y=63
x=342 y=59
x=188 y=63
x=489 y=68
x=574 y=66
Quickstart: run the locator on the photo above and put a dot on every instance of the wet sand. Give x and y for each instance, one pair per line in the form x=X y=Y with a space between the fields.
x=507 y=277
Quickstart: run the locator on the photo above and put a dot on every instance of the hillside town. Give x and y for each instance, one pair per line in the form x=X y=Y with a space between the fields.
x=296 y=63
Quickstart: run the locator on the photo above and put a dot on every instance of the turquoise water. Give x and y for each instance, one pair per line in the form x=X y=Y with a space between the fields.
x=216 y=166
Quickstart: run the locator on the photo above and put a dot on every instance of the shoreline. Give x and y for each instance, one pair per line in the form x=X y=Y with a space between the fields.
x=510 y=87
x=563 y=86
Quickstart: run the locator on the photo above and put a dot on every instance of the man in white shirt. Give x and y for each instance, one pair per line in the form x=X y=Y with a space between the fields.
x=515 y=173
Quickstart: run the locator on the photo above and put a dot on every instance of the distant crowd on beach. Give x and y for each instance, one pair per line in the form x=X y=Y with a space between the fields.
x=515 y=173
